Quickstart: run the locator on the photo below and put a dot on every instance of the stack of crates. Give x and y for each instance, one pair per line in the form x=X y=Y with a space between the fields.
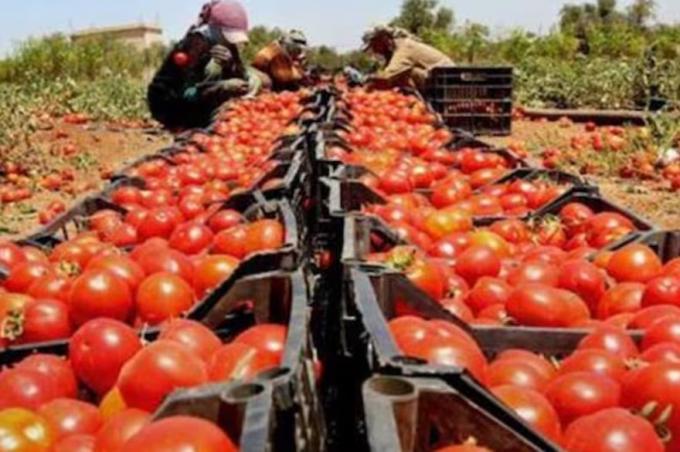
x=474 y=99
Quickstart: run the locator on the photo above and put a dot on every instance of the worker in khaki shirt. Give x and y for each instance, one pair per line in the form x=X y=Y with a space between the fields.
x=282 y=63
x=409 y=60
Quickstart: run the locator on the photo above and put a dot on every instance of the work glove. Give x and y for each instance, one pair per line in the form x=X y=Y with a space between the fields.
x=190 y=93
x=221 y=54
x=354 y=76
x=226 y=89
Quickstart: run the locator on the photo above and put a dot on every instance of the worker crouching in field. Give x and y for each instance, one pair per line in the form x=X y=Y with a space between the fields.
x=205 y=69
x=409 y=61
x=282 y=63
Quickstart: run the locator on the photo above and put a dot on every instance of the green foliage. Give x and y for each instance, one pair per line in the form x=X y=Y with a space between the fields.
x=420 y=15
x=56 y=57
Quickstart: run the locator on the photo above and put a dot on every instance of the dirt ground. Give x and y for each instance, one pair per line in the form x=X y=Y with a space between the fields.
x=85 y=153
x=649 y=199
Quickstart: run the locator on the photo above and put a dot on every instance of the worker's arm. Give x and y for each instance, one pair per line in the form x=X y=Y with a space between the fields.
x=397 y=70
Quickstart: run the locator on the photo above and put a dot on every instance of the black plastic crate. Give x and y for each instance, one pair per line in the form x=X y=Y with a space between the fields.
x=296 y=421
x=475 y=99
x=370 y=350
x=422 y=414
x=666 y=244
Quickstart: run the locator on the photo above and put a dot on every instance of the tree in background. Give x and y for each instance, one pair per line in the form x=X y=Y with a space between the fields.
x=641 y=12
x=420 y=16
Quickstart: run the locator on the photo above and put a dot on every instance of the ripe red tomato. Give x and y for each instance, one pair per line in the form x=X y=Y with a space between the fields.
x=267 y=338
x=464 y=448
x=264 y=235
x=516 y=372
x=25 y=388
x=450 y=192
x=657 y=383
x=610 y=430
x=541 y=305
x=447 y=351
x=119 y=428
x=123 y=235
x=159 y=222
x=11 y=255
x=585 y=280
x=575 y=217
x=168 y=364
x=191 y=238
x=533 y=408
x=231 y=241
x=612 y=339
x=71 y=417
x=646 y=317
x=239 y=361
x=197 y=337
x=104 y=221
x=126 y=196
x=55 y=368
x=99 y=349
x=163 y=296
x=513 y=231
x=634 y=263
x=540 y=364
x=596 y=361
x=53 y=287
x=121 y=266
x=74 y=443
x=225 y=219
x=477 y=262
x=44 y=321
x=534 y=272
x=668 y=352
x=395 y=182
x=622 y=298
x=213 y=270
x=662 y=331
x=99 y=293
x=179 y=434
x=191 y=206
x=664 y=290
x=579 y=394
x=167 y=261
x=488 y=292
x=24 y=274
x=672 y=268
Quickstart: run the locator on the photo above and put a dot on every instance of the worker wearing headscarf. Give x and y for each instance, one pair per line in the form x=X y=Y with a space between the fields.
x=205 y=69
x=408 y=60
x=283 y=61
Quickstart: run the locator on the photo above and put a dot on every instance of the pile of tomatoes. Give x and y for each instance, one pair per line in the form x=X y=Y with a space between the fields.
x=608 y=394
x=159 y=251
x=540 y=286
x=45 y=297
x=102 y=395
x=167 y=245
x=395 y=138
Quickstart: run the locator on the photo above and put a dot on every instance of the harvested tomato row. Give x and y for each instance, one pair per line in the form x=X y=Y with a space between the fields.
x=552 y=274
x=145 y=259
x=109 y=359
